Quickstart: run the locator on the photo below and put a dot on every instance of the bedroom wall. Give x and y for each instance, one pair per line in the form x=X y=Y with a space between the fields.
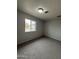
x=53 y=29
x=23 y=36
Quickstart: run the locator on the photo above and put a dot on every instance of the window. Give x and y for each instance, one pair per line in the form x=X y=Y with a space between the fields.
x=30 y=25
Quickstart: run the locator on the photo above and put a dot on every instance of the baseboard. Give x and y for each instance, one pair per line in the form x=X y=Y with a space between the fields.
x=28 y=42
x=32 y=40
x=53 y=38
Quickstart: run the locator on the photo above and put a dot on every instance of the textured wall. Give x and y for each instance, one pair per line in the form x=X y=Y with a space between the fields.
x=25 y=36
x=53 y=29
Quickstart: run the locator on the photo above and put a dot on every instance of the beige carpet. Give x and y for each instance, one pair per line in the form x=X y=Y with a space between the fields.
x=44 y=48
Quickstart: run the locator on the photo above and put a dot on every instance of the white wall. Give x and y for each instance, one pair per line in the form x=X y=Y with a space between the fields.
x=25 y=36
x=53 y=29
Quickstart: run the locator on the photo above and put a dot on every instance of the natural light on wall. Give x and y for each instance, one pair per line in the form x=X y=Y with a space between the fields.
x=30 y=25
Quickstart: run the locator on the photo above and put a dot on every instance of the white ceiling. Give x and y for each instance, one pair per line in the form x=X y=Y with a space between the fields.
x=31 y=6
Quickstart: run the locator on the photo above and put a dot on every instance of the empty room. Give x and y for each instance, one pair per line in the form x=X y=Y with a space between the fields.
x=38 y=29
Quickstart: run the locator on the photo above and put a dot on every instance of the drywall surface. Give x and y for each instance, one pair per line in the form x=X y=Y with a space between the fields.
x=53 y=29
x=23 y=36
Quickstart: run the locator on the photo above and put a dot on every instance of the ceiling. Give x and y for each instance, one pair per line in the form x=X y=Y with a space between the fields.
x=31 y=7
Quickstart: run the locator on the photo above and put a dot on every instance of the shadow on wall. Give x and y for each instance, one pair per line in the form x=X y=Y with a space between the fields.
x=53 y=29
x=26 y=36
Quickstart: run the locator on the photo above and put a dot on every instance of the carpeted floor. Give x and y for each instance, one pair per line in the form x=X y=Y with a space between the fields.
x=43 y=48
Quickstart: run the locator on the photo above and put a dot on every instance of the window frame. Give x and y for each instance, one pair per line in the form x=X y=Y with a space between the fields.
x=30 y=30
